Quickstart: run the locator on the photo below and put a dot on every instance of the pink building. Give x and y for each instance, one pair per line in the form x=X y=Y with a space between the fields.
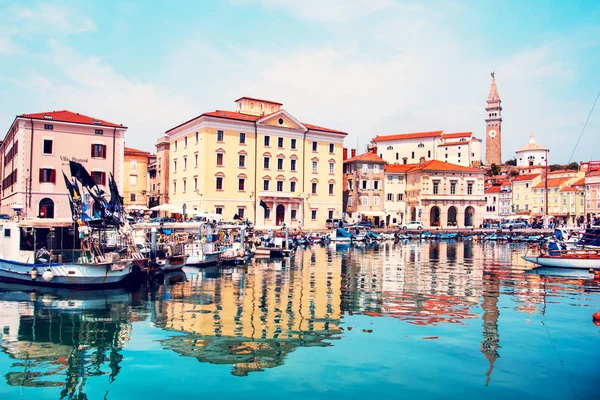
x=37 y=149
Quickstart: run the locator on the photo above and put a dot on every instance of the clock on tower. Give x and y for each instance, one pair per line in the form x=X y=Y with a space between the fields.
x=493 y=126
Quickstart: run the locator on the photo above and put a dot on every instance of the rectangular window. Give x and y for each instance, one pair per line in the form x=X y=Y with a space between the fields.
x=293 y=144
x=413 y=155
x=280 y=186
x=330 y=214
x=220 y=136
x=280 y=164
x=241 y=212
x=185 y=141
x=365 y=168
x=267 y=141
x=219 y=185
x=184 y=186
x=390 y=178
x=331 y=148
x=364 y=185
x=48 y=127
x=195 y=183
x=241 y=184
x=350 y=184
x=47 y=175
x=452 y=187
x=313 y=214
x=219 y=159
x=314 y=146
x=458 y=155
x=293 y=164
x=428 y=153
x=390 y=197
x=99 y=132
x=175 y=145
x=99 y=177
x=331 y=168
x=219 y=210
x=280 y=142
x=331 y=189
x=315 y=166
x=397 y=156
x=196 y=137
x=376 y=168
x=293 y=214
x=98 y=151
x=364 y=201
x=436 y=187
x=446 y=155
x=266 y=162
x=266 y=184
x=241 y=161
x=133 y=165
x=376 y=201
x=133 y=180
x=350 y=201
x=48 y=144
x=174 y=165
x=314 y=188
x=470 y=188
x=267 y=213
x=293 y=186
x=195 y=160
x=184 y=163
x=132 y=197
x=376 y=185
x=242 y=138
x=399 y=196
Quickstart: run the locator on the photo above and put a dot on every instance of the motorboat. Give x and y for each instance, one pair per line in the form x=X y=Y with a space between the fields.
x=554 y=257
x=340 y=235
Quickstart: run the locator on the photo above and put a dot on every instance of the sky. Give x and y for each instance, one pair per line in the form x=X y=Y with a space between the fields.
x=372 y=67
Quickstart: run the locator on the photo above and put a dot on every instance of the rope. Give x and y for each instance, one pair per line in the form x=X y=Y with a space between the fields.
x=584 y=126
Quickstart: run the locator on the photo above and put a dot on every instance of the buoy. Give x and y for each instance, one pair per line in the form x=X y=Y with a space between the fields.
x=34 y=274
x=47 y=276
x=596 y=316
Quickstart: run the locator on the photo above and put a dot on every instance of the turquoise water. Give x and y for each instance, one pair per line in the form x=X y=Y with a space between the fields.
x=419 y=320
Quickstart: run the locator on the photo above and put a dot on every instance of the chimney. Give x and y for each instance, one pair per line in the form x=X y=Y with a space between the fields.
x=345 y=153
x=374 y=150
x=422 y=161
x=353 y=153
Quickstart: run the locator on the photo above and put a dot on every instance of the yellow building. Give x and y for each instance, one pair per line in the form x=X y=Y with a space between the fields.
x=564 y=201
x=135 y=185
x=522 y=190
x=258 y=162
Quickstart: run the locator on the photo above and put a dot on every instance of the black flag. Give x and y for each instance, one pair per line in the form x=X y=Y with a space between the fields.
x=78 y=171
x=236 y=217
x=264 y=205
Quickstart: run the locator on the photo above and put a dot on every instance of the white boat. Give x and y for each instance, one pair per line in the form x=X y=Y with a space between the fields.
x=200 y=254
x=40 y=252
x=340 y=235
x=574 y=259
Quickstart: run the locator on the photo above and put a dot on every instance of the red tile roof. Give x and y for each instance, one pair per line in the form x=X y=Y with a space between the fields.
x=569 y=189
x=579 y=182
x=593 y=173
x=249 y=118
x=453 y=144
x=526 y=177
x=436 y=165
x=369 y=156
x=457 y=135
x=563 y=171
x=132 y=151
x=402 y=136
x=398 y=168
x=69 y=116
x=552 y=182
x=255 y=99
x=493 y=189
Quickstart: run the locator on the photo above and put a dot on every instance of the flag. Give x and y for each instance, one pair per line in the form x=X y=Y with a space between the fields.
x=116 y=201
x=264 y=205
x=236 y=217
x=78 y=171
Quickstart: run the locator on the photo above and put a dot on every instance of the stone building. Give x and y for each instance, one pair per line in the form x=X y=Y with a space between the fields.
x=493 y=126
x=532 y=154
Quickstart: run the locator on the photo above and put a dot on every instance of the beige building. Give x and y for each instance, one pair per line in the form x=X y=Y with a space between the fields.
x=258 y=162
x=592 y=196
x=395 y=192
x=363 y=187
x=135 y=185
x=37 y=150
x=522 y=192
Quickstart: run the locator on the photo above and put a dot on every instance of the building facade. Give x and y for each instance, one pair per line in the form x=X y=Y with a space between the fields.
x=135 y=185
x=395 y=193
x=37 y=150
x=592 y=196
x=363 y=187
x=521 y=192
x=532 y=154
x=443 y=194
x=506 y=206
x=258 y=162
x=408 y=148
x=493 y=126
x=492 y=201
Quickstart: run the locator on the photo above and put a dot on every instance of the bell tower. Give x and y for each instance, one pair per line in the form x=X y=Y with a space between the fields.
x=493 y=126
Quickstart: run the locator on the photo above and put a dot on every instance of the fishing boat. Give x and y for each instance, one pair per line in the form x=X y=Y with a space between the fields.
x=553 y=257
x=340 y=235
x=76 y=252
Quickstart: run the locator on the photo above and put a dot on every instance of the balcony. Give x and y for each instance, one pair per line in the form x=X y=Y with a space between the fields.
x=275 y=194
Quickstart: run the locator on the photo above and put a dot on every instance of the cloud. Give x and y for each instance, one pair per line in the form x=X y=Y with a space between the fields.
x=51 y=20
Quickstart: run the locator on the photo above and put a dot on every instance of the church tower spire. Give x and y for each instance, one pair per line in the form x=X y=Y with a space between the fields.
x=493 y=126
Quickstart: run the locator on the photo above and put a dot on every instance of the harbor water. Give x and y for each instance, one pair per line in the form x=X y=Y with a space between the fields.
x=416 y=320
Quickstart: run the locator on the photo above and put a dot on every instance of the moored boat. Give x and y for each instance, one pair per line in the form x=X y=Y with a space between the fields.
x=556 y=258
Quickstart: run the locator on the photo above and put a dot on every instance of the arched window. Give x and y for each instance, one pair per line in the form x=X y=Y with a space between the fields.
x=46 y=208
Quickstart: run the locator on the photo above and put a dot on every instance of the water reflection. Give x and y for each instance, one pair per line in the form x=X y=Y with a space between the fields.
x=59 y=338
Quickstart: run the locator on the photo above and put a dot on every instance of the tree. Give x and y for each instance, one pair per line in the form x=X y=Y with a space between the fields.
x=574 y=166
x=555 y=167
x=512 y=162
x=494 y=170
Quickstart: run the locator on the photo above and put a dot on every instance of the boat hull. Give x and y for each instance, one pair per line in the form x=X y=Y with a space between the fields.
x=66 y=275
x=562 y=262
x=202 y=260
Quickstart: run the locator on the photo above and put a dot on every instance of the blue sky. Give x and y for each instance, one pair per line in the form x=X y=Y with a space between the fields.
x=365 y=67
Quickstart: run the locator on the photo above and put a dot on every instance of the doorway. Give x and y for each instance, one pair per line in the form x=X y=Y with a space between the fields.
x=279 y=214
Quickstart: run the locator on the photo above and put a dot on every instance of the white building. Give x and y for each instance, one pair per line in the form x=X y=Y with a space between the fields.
x=506 y=199
x=492 y=201
x=456 y=148
x=532 y=154
x=395 y=191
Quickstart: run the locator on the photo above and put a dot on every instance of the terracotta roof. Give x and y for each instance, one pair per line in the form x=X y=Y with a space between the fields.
x=563 y=171
x=457 y=135
x=366 y=157
x=526 y=177
x=255 y=99
x=493 y=189
x=69 y=116
x=453 y=144
x=233 y=115
x=593 y=173
x=401 y=136
x=132 y=151
x=569 y=189
x=579 y=182
x=436 y=165
x=552 y=182
x=398 y=168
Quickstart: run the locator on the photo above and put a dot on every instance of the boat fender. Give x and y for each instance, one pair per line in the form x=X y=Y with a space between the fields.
x=47 y=276
x=597 y=275
x=34 y=274
x=596 y=316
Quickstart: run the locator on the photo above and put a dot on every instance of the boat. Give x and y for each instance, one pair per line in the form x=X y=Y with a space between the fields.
x=553 y=257
x=590 y=239
x=340 y=235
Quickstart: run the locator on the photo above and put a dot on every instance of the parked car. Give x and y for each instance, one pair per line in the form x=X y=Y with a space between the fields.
x=162 y=220
x=514 y=225
x=365 y=224
x=4 y=216
x=413 y=225
x=336 y=223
